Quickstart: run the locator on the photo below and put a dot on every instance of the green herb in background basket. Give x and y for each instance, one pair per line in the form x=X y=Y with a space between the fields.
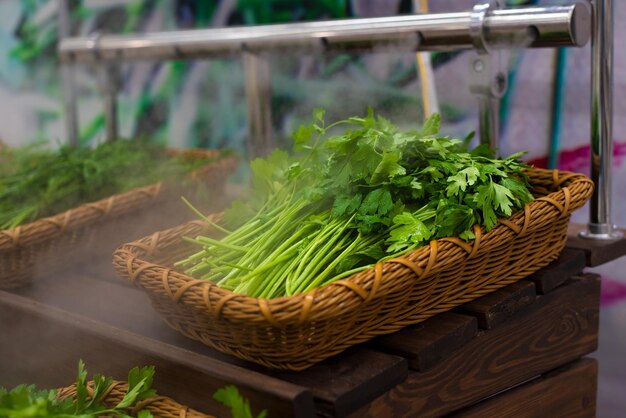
x=25 y=401
x=36 y=182
x=345 y=201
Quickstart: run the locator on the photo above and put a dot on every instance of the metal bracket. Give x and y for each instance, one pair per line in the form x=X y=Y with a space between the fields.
x=488 y=74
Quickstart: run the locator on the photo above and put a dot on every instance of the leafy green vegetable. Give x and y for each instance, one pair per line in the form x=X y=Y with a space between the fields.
x=346 y=200
x=239 y=406
x=35 y=182
x=25 y=401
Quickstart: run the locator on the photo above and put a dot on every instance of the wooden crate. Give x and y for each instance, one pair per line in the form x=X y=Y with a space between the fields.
x=525 y=341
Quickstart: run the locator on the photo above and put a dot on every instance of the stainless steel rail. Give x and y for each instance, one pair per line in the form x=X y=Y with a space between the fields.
x=528 y=27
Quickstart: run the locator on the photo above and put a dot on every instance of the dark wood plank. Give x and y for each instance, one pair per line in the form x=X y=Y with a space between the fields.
x=597 y=252
x=339 y=385
x=42 y=344
x=569 y=391
x=344 y=383
x=570 y=262
x=495 y=308
x=562 y=326
x=423 y=345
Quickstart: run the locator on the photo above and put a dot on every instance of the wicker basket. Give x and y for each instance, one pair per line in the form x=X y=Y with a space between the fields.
x=67 y=238
x=159 y=406
x=298 y=331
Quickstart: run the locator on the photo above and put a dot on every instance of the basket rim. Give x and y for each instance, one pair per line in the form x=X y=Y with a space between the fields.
x=48 y=228
x=129 y=261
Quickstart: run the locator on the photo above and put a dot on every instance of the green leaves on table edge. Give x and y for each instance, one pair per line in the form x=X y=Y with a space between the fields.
x=239 y=406
x=25 y=401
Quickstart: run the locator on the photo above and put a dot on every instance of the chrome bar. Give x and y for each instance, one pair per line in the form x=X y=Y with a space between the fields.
x=67 y=78
x=525 y=27
x=600 y=225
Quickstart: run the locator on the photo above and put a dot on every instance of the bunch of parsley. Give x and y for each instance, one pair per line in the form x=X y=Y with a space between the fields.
x=25 y=401
x=343 y=201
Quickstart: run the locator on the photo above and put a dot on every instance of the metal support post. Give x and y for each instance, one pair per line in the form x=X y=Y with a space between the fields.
x=600 y=226
x=67 y=77
x=109 y=80
x=259 y=98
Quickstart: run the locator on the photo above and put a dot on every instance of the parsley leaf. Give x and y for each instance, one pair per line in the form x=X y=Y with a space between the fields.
x=239 y=406
x=388 y=168
x=378 y=201
x=346 y=205
x=407 y=230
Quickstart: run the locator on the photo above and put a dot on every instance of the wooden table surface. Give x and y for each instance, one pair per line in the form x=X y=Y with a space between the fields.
x=532 y=333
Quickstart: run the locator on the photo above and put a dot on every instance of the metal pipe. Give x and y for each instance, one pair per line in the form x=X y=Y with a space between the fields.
x=526 y=27
x=600 y=225
x=67 y=78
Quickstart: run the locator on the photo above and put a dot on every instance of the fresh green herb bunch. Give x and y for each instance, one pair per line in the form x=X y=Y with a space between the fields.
x=36 y=182
x=25 y=401
x=344 y=201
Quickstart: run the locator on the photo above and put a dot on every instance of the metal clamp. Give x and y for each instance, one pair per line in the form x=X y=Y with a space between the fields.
x=477 y=23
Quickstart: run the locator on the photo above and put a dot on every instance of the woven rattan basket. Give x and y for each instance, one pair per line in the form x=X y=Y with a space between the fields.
x=69 y=237
x=159 y=406
x=298 y=331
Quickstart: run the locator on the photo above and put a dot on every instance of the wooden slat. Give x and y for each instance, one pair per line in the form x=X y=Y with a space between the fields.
x=561 y=327
x=597 y=252
x=338 y=385
x=344 y=383
x=571 y=262
x=423 y=345
x=495 y=308
x=42 y=344
x=569 y=391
